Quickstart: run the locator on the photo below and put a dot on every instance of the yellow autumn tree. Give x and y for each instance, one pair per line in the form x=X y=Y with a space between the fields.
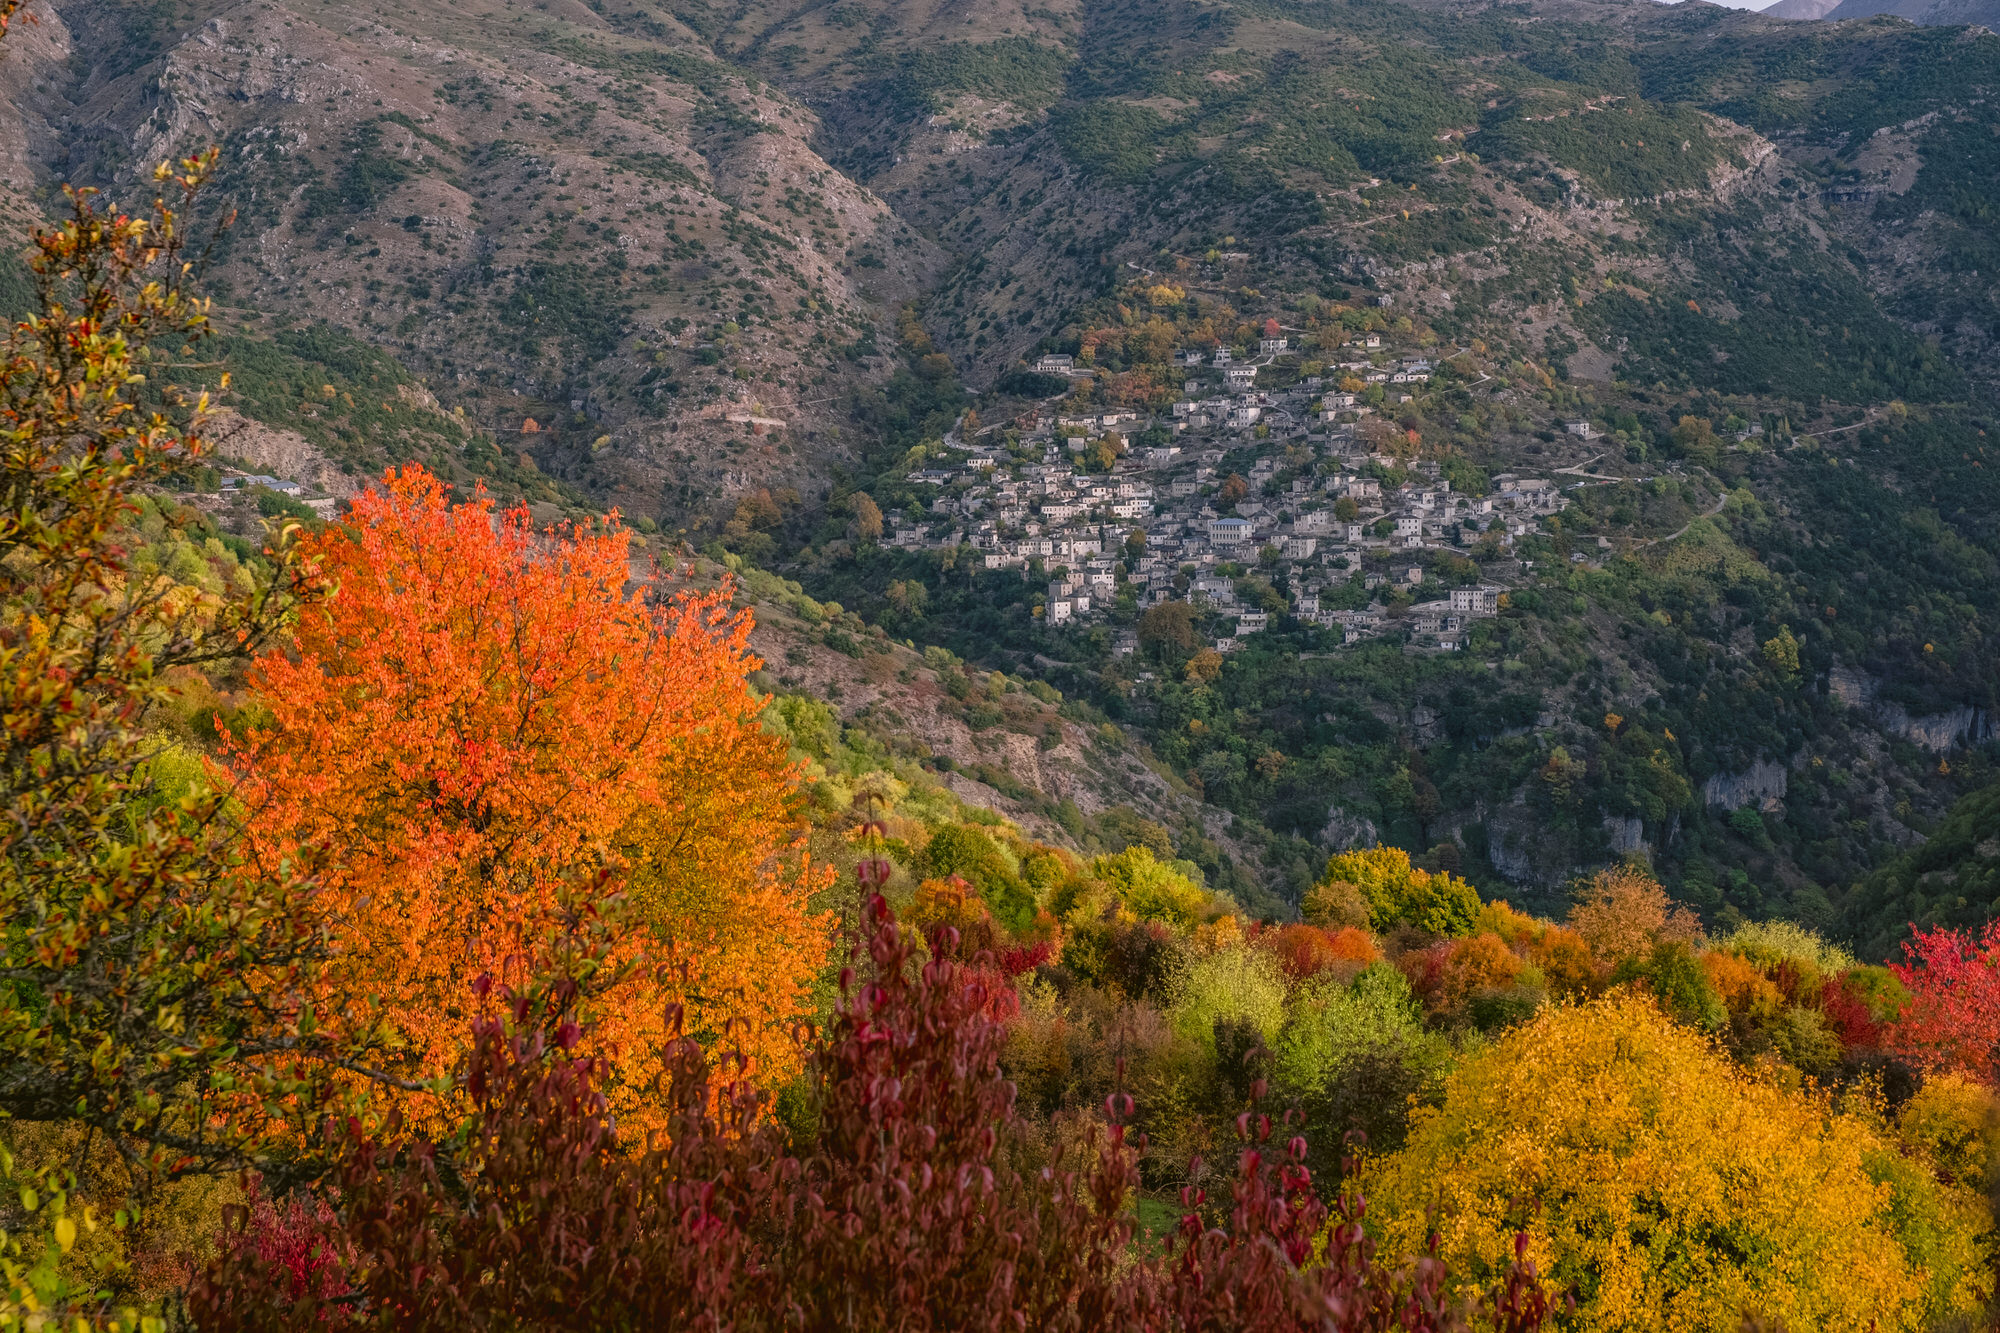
x=1623 y=912
x=1667 y=1188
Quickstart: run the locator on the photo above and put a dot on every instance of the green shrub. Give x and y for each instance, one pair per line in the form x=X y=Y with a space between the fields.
x=1232 y=985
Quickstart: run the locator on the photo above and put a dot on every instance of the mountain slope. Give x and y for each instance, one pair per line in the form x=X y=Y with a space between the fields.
x=548 y=214
x=1928 y=12
x=1721 y=282
x=1952 y=880
x=633 y=225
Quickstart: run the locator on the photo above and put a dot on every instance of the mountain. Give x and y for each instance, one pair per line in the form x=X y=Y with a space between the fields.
x=536 y=209
x=1930 y=12
x=1935 y=12
x=1939 y=13
x=1703 y=302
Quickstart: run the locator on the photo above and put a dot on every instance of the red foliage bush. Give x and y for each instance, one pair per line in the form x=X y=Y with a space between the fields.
x=916 y=1202
x=1257 y=1273
x=298 y=1245
x=1023 y=958
x=1850 y=1016
x=1426 y=969
x=1953 y=1017
x=1300 y=949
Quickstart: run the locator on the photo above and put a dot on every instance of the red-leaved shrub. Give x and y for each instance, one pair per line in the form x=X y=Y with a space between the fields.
x=1022 y=958
x=1952 y=1020
x=1850 y=1015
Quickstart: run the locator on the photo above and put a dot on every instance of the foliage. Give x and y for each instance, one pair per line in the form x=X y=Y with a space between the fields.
x=1623 y=911
x=1013 y=69
x=1110 y=139
x=1564 y=959
x=1630 y=148
x=1741 y=987
x=480 y=716
x=1781 y=652
x=1356 y=1056
x=364 y=410
x=1954 y=1123
x=1335 y=902
x=1247 y=1276
x=718 y=1224
x=149 y=980
x=367 y=176
x=1953 y=879
x=1679 y=983
x=1770 y=943
x=575 y=309
x=1306 y=950
x=916 y=1202
x=1664 y=1187
x=1816 y=332
x=1170 y=627
x=1862 y=1001
x=1150 y=889
x=38 y=1285
x=957 y=850
x=1238 y=985
x=1477 y=978
x=1400 y=894
x=1952 y=1020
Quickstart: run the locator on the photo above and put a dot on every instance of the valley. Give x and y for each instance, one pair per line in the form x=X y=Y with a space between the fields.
x=1528 y=435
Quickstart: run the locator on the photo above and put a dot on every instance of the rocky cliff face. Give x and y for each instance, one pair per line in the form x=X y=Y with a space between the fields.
x=1760 y=787
x=1954 y=728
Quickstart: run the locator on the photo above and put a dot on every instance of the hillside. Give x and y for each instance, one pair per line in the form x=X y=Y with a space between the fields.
x=855 y=699
x=1952 y=880
x=1930 y=12
x=551 y=217
x=835 y=661
x=1709 y=280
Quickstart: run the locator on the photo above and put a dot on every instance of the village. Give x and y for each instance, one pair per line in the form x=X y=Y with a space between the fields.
x=1088 y=500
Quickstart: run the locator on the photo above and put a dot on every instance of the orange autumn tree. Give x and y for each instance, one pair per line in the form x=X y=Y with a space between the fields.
x=480 y=719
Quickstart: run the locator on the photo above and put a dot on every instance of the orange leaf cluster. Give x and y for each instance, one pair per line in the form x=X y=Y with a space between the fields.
x=481 y=718
x=1742 y=984
x=1305 y=950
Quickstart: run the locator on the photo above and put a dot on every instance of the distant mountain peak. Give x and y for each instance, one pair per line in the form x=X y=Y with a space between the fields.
x=1930 y=13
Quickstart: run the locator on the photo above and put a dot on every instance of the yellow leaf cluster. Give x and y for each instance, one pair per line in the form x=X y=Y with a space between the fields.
x=1400 y=893
x=1955 y=1123
x=1668 y=1189
x=1622 y=912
